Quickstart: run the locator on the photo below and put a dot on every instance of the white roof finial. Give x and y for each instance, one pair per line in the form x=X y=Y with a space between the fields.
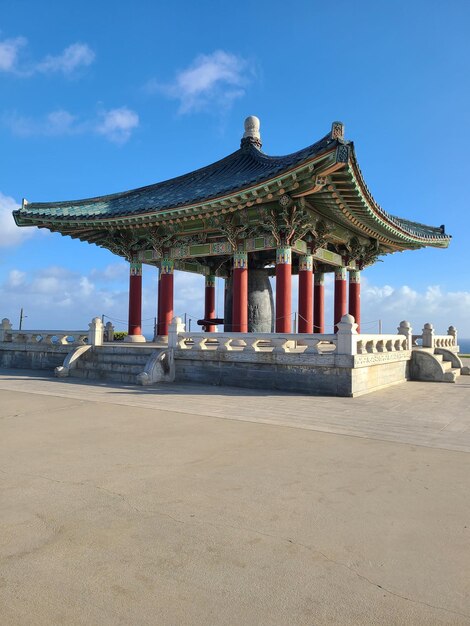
x=252 y=134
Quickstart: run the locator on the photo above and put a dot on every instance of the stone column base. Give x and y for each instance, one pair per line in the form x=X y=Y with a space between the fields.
x=135 y=339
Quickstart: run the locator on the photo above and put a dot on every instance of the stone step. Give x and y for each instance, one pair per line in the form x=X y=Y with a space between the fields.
x=130 y=359
x=446 y=363
x=120 y=364
x=102 y=366
x=94 y=374
x=123 y=351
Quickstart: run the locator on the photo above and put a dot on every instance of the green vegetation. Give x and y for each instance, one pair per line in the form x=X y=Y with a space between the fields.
x=119 y=335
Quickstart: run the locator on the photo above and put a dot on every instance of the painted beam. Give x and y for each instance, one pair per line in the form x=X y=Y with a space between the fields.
x=255 y=244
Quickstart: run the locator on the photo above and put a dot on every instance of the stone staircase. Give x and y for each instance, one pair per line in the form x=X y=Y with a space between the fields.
x=435 y=365
x=450 y=372
x=113 y=363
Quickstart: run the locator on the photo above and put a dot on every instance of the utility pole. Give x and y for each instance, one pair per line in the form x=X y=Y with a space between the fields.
x=21 y=318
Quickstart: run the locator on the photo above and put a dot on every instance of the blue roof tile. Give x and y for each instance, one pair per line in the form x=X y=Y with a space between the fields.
x=246 y=167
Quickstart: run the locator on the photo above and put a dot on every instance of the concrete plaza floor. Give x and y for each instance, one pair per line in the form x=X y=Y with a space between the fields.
x=185 y=505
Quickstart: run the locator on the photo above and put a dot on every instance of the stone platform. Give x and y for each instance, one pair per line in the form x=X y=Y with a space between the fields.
x=343 y=364
x=188 y=505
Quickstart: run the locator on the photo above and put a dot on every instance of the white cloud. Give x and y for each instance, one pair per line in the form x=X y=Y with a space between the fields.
x=86 y=286
x=59 y=122
x=10 y=233
x=117 y=124
x=75 y=56
x=9 y=49
x=56 y=297
x=431 y=304
x=212 y=81
x=16 y=278
x=111 y=273
x=189 y=296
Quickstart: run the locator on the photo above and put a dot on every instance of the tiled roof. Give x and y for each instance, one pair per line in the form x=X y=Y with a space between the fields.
x=246 y=167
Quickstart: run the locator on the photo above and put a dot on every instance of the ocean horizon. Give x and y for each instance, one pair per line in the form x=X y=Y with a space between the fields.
x=464 y=345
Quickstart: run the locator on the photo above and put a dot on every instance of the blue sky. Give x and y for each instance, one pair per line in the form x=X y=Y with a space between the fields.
x=101 y=97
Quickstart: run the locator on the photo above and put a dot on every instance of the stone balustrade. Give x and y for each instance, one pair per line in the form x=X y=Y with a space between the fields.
x=255 y=342
x=374 y=344
x=429 y=339
x=352 y=343
x=92 y=336
x=48 y=337
x=346 y=342
x=443 y=341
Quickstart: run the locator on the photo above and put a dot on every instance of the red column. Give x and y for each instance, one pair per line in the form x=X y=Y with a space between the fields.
x=240 y=293
x=340 y=295
x=228 y=303
x=165 y=309
x=209 y=302
x=159 y=302
x=283 y=290
x=305 y=294
x=355 y=296
x=134 y=329
x=319 y=302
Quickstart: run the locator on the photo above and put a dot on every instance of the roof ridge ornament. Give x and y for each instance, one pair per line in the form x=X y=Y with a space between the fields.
x=337 y=130
x=251 y=136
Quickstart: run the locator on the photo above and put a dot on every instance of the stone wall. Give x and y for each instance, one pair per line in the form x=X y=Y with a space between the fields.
x=30 y=356
x=379 y=376
x=333 y=375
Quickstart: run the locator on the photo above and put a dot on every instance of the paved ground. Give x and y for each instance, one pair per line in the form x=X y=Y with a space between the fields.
x=194 y=506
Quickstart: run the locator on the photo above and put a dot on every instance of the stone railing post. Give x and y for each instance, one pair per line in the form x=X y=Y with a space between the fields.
x=175 y=327
x=346 y=336
x=428 y=336
x=109 y=332
x=5 y=330
x=452 y=331
x=96 y=332
x=405 y=329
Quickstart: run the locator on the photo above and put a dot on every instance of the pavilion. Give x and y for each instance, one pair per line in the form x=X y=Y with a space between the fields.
x=244 y=218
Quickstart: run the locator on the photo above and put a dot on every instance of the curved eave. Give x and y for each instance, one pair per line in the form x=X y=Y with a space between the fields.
x=348 y=198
